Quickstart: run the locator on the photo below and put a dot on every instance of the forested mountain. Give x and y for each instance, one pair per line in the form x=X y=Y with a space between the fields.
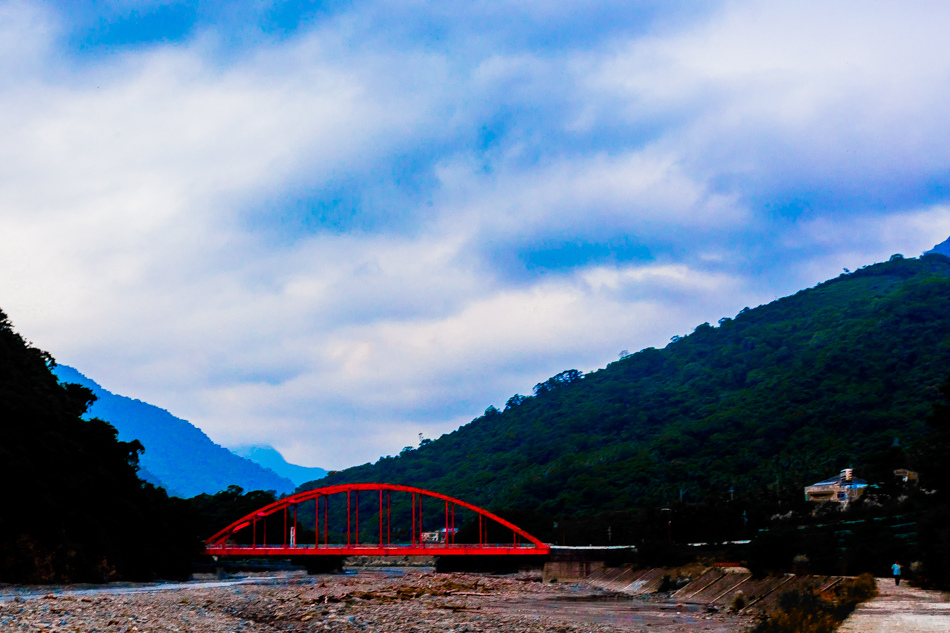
x=778 y=397
x=178 y=455
x=73 y=507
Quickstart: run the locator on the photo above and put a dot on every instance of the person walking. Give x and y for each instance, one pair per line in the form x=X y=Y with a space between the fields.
x=896 y=570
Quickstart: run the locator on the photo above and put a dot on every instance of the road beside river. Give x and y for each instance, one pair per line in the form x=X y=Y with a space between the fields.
x=901 y=609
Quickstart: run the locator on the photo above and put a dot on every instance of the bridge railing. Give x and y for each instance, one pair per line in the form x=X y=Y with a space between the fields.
x=372 y=546
x=253 y=527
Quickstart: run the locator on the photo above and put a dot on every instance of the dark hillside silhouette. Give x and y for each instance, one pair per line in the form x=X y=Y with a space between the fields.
x=73 y=506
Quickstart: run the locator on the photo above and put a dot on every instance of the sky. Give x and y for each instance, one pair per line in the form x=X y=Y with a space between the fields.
x=330 y=227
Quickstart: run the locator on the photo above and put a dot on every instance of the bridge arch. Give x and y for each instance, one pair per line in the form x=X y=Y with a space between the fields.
x=224 y=542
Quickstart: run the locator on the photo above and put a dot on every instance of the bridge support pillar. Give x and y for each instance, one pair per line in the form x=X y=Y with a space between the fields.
x=571 y=564
x=488 y=563
x=319 y=564
x=570 y=570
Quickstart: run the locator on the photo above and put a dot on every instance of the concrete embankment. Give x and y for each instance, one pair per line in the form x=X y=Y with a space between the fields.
x=719 y=588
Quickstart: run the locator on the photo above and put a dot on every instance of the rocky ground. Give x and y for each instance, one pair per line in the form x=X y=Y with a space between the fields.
x=413 y=601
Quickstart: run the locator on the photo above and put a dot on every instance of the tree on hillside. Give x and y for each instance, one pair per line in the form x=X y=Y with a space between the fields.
x=561 y=379
x=73 y=506
x=934 y=524
x=935 y=448
x=219 y=510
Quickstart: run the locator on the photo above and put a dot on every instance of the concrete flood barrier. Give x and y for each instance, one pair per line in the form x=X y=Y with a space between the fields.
x=650 y=582
x=723 y=588
x=578 y=563
x=705 y=579
x=752 y=590
x=629 y=581
x=715 y=588
x=769 y=600
x=604 y=578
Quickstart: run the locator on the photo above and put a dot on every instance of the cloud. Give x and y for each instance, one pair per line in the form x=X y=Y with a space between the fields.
x=408 y=373
x=333 y=230
x=827 y=245
x=582 y=210
x=817 y=101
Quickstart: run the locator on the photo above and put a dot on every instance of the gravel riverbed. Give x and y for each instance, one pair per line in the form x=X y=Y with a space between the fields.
x=413 y=601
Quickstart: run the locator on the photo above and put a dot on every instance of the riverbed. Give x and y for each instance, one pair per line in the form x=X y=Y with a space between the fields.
x=382 y=601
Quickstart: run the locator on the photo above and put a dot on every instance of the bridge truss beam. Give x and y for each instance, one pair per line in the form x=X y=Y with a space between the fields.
x=224 y=542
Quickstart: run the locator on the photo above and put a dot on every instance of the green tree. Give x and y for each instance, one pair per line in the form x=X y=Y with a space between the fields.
x=73 y=506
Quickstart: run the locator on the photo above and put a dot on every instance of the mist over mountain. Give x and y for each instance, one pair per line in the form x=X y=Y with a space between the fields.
x=178 y=455
x=269 y=457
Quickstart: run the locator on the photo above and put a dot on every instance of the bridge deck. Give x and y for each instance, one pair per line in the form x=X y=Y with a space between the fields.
x=282 y=515
x=434 y=549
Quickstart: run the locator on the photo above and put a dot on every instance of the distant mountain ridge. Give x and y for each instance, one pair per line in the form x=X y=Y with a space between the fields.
x=177 y=454
x=269 y=457
x=943 y=248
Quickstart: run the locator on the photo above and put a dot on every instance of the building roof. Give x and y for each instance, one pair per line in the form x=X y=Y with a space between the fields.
x=839 y=480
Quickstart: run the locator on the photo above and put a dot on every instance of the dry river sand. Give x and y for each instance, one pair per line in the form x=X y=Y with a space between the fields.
x=368 y=601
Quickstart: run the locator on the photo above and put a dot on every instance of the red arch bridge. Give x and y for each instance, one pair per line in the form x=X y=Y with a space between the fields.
x=248 y=535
